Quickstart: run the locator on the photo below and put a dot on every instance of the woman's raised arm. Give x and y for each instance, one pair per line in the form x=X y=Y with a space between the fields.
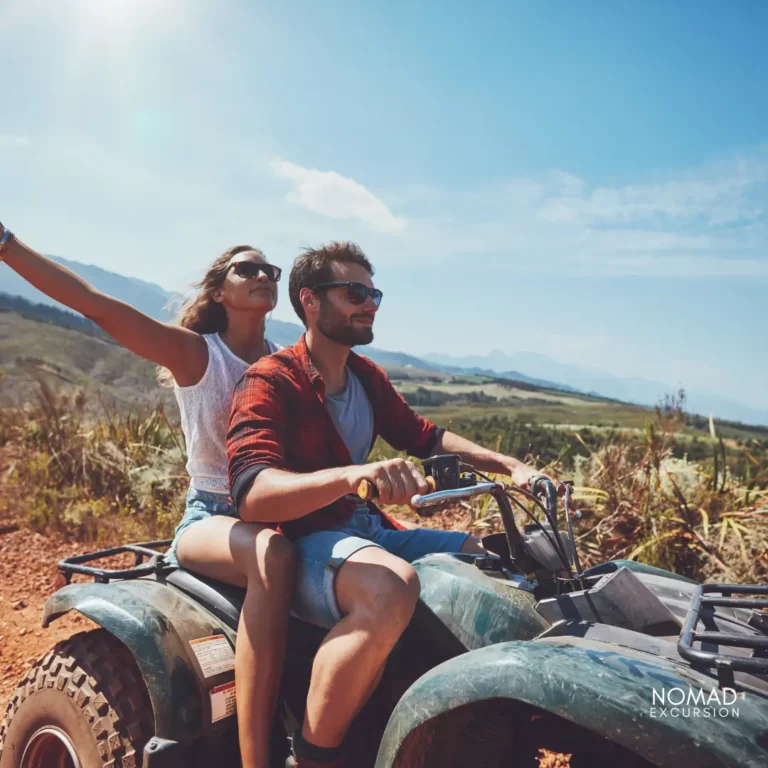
x=182 y=351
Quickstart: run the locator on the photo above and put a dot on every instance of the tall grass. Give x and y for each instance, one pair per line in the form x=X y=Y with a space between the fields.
x=640 y=499
x=640 y=496
x=76 y=467
x=82 y=469
x=645 y=503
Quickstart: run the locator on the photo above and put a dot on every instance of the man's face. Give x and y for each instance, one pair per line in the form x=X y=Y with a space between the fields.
x=338 y=318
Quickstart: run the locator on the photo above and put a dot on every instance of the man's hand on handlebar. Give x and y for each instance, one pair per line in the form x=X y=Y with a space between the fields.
x=397 y=481
x=522 y=476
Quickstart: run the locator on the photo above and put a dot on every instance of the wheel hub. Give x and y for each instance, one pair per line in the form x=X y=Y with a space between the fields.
x=50 y=747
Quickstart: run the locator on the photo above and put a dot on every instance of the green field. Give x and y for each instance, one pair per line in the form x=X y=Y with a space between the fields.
x=552 y=408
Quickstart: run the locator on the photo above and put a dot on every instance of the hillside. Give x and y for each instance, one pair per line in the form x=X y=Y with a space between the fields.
x=542 y=369
x=73 y=353
x=523 y=367
x=71 y=359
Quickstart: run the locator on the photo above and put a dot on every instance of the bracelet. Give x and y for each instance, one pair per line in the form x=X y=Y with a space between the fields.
x=7 y=237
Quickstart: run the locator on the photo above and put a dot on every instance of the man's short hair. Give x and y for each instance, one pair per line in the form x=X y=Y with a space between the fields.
x=313 y=266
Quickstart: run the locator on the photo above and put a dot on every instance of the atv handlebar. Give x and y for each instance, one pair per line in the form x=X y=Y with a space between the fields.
x=525 y=553
x=452 y=494
x=367 y=490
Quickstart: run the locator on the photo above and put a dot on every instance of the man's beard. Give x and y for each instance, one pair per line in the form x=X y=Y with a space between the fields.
x=335 y=326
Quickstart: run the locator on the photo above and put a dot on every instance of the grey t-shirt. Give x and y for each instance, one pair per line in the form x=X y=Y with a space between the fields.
x=352 y=415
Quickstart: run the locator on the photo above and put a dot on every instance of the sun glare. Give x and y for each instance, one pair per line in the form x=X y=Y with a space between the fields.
x=118 y=16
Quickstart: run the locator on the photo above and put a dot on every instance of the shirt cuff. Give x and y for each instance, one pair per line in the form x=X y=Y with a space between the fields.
x=243 y=483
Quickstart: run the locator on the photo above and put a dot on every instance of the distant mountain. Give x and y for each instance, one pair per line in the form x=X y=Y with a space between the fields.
x=288 y=333
x=591 y=381
x=511 y=375
x=284 y=334
x=526 y=367
x=148 y=297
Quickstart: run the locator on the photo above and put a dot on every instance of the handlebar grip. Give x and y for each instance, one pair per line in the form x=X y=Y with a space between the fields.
x=367 y=490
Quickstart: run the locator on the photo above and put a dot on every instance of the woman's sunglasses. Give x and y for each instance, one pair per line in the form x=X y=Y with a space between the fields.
x=254 y=268
x=357 y=293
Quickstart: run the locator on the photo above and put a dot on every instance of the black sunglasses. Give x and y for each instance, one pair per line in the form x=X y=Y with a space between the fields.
x=357 y=293
x=254 y=268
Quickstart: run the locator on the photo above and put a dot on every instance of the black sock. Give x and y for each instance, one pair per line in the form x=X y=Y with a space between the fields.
x=303 y=748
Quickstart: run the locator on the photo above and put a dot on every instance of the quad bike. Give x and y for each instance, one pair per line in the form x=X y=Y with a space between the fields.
x=621 y=664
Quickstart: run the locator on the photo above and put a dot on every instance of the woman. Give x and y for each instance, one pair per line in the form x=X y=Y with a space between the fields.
x=219 y=334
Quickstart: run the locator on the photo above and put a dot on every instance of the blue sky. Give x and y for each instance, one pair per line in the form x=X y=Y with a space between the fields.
x=584 y=179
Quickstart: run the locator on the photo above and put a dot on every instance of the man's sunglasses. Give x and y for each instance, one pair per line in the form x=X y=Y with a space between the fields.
x=357 y=293
x=254 y=268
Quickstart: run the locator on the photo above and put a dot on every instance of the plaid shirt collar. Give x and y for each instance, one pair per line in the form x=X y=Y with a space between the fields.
x=354 y=361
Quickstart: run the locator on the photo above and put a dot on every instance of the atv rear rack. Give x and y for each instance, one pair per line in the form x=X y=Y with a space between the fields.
x=151 y=549
x=726 y=664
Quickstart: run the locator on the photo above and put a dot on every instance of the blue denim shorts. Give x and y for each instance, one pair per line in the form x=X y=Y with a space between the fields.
x=319 y=556
x=200 y=505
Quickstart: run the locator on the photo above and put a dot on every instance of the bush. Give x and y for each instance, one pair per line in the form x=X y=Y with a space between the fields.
x=92 y=479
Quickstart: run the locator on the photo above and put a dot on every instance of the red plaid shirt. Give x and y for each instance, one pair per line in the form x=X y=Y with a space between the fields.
x=279 y=420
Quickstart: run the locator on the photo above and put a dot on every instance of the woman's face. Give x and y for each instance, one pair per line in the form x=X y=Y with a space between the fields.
x=253 y=293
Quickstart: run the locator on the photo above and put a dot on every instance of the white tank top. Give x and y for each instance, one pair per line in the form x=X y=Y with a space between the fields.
x=205 y=408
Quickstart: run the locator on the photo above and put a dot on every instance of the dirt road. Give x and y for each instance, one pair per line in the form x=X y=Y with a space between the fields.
x=27 y=576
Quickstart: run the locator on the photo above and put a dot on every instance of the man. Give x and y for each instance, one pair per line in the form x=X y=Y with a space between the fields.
x=302 y=425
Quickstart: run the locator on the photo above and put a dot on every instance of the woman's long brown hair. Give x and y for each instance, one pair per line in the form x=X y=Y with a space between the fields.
x=202 y=313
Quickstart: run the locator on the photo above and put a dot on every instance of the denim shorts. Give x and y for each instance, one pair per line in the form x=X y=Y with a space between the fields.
x=200 y=505
x=319 y=556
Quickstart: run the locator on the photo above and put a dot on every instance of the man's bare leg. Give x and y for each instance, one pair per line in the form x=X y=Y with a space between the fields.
x=377 y=594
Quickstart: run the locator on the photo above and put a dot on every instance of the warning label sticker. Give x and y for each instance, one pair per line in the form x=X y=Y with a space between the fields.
x=223 y=701
x=214 y=654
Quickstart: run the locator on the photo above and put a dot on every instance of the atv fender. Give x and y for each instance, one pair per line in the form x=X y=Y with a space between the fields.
x=156 y=623
x=598 y=686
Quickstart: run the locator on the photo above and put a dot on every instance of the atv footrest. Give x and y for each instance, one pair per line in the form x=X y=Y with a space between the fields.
x=726 y=664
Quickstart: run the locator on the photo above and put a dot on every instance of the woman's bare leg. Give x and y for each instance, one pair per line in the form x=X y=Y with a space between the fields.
x=252 y=556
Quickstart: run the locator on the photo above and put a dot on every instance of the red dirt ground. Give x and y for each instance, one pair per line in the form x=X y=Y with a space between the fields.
x=28 y=576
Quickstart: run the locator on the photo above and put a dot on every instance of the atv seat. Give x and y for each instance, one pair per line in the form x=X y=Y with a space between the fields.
x=223 y=600
x=226 y=601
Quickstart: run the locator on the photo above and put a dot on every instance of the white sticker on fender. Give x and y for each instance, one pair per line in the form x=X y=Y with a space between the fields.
x=223 y=701
x=214 y=654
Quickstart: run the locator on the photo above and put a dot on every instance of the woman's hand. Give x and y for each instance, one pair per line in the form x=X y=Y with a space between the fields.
x=8 y=242
x=182 y=351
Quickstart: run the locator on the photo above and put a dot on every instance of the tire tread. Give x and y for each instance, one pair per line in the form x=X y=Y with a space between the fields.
x=99 y=674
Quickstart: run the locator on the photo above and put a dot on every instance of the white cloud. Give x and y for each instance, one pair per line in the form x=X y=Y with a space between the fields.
x=8 y=141
x=331 y=194
x=717 y=195
x=706 y=222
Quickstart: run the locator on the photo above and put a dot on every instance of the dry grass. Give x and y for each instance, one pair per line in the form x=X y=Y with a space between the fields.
x=91 y=477
x=93 y=474
x=640 y=499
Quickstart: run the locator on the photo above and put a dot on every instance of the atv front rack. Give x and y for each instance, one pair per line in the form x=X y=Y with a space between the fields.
x=726 y=664
x=151 y=549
